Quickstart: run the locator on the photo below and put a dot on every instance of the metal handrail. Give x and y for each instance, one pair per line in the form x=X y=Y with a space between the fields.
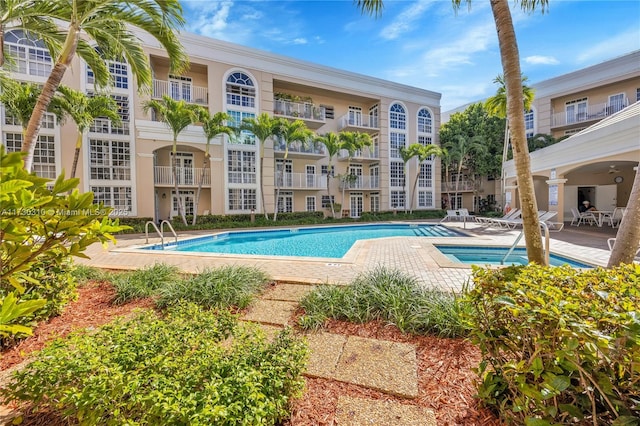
x=146 y=231
x=170 y=228
x=546 y=244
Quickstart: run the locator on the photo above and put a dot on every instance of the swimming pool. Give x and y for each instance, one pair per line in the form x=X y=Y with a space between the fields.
x=476 y=255
x=325 y=241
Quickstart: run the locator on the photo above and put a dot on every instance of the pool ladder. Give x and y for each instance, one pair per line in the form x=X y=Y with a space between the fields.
x=545 y=227
x=160 y=231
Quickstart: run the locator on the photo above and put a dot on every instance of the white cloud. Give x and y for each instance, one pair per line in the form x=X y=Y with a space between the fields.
x=619 y=44
x=404 y=21
x=299 y=40
x=541 y=60
x=209 y=18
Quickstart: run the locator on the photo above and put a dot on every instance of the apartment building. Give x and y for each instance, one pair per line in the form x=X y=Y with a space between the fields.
x=128 y=166
x=594 y=108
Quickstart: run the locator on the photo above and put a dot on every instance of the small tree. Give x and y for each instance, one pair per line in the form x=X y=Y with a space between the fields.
x=422 y=153
x=460 y=150
x=177 y=115
x=406 y=154
x=212 y=126
x=331 y=141
x=352 y=142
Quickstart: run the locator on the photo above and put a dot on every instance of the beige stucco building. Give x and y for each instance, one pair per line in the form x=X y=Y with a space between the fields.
x=128 y=167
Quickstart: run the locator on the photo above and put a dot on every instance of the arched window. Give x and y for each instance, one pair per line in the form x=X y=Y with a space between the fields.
x=529 y=123
x=240 y=90
x=397 y=140
x=397 y=117
x=425 y=123
x=30 y=55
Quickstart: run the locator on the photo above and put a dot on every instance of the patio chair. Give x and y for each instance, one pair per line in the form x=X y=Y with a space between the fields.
x=616 y=217
x=451 y=215
x=487 y=220
x=579 y=218
x=543 y=215
x=612 y=241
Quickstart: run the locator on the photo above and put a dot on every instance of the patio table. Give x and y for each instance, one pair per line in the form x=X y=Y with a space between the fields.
x=602 y=215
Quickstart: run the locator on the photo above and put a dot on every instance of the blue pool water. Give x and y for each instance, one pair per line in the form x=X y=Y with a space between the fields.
x=326 y=241
x=493 y=255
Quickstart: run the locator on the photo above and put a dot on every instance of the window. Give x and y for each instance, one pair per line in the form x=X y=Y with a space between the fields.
x=105 y=126
x=397 y=199
x=29 y=55
x=456 y=202
x=638 y=94
x=396 y=141
x=109 y=160
x=374 y=113
x=397 y=173
x=311 y=203
x=355 y=116
x=529 y=123
x=329 y=112
x=241 y=166
x=180 y=87
x=375 y=202
x=240 y=90
x=246 y=138
x=118 y=197
x=425 y=180
x=616 y=103
x=324 y=169
x=397 y=117
x=425 y=123
x=285 y=202
x=242 y=199
x=119 y=71
x=576 y=110
x=425 y=199
x=326 y=201
x=44 y=156
x=48 y=120
x=187 y=200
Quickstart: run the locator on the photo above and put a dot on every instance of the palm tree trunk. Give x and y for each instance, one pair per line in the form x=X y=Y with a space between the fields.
x=1 y=45
x=515 y=114
x=48 y=91
x=275 y=210
x=415 y=185
x=333 y=212
x=175 y=186
x=197 y=202
x=76 y=155
x=264 y=208
x=628 y=236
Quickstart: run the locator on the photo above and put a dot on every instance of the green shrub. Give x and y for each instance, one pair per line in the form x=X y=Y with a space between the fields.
x=218 y=288
x=559 y=346
x=389 y=295
x=143 y=282
x=194 y=367
x=84 y=274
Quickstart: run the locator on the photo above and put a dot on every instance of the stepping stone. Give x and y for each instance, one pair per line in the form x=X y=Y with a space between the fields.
x=378 y=364
x=360 y=411
x=325 y=350
x=270 y=312
x=289 y=292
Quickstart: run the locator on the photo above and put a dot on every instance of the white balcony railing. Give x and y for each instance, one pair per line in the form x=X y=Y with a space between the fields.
x=351 y=120
x=180 y=91
x=589 y=113
x=299 y=147
x=163 y=175
x=302 y=110
x=367 y=153
x=301 y=181
x=463 y=185
x=361 y=182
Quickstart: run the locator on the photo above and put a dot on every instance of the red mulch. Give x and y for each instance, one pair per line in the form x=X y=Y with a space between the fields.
x=445 y=376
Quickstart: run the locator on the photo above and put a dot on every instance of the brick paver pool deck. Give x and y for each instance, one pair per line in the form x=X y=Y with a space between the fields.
x=414 y=255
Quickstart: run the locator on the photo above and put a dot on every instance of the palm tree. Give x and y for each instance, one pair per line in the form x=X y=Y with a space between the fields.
x=262 y=127
x=212 y=126
x=510 y=58
x=351 y=142
x=331 y=141
x=107 y=23
x=177 y=115
x=628 y=236
x=460 y=150
x=406 y=154
x=447 y=163
x=422 y=153
x=289 y=132
x=83 y=110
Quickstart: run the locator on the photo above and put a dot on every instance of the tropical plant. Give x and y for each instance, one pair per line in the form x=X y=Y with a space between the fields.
x=83 y=110
x=263 y=127
x=541 y=140
x=461 y=149
x=177 y=115
x=628 y=235
x=213 y=126
x=288 y=132
x=331 y=142
x=510 y=58
x=407 y=155
x=422 y=153
x=351 y=142
x=110 y=25
x=19 y=100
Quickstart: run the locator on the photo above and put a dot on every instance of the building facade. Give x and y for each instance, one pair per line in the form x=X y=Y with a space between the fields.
x=128 y=167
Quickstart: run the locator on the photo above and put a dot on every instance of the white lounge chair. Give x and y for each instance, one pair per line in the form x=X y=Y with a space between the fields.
x=612 y=241
x=451 y=215
x=488 y=220
x=543 y=216
x=579 y=218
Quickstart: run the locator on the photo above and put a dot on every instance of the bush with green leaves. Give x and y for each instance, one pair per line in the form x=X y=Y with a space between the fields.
x=143 y=282
x=192 y=367
x=559 y=345
x=222 y=287
x=83 y=274
x=41 y=229
x=389 y=295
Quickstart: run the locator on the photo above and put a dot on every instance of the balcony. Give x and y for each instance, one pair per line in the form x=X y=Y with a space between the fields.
x=302 y=181
x=298 y=149
x=463 y=186
x=588 y=114
x=361 y=182
x=180 y=91
x=187 y=176
x=369 y=153
x=313 y=115
x=359 y=123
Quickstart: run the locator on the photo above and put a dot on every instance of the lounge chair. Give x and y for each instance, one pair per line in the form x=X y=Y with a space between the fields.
x=487 y=220
x=612 y=241
x=579 y=218
x=464 y=214
x=451 y=215
x=543 y=216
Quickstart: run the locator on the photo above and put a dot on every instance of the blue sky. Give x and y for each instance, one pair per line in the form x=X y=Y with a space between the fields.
x=424 y=43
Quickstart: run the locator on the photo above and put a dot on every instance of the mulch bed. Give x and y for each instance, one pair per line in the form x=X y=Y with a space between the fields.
x=445 y=376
